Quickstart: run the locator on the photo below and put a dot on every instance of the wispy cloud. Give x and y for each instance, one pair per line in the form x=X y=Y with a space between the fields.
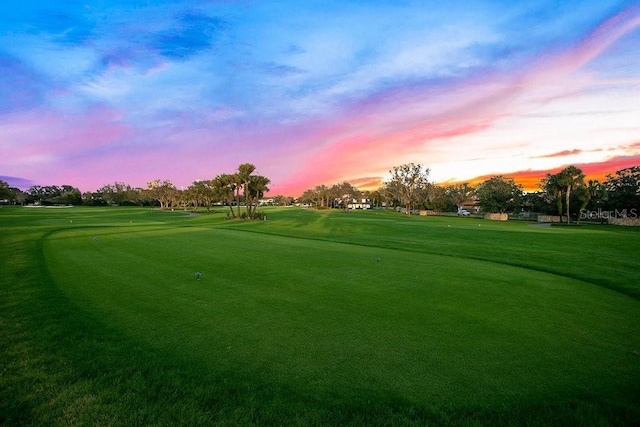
x=563 y=153
x=316 y=93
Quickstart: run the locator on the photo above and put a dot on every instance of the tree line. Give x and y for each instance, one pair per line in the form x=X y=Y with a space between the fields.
x=239 y=191
x=565 y=193
x=408 y=186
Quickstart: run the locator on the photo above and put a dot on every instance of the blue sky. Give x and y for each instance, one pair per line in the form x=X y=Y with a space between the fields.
x=313 y=93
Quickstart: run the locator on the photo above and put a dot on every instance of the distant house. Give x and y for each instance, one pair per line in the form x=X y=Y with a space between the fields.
x=472 y=205
x=359 y=204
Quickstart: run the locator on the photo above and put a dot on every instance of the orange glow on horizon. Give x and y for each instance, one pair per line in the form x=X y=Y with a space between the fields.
x=530 y=180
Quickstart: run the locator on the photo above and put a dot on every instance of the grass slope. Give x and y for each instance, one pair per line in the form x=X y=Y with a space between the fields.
x=315 y=318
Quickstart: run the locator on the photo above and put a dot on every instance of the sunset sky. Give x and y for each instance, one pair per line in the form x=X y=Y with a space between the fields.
x=315 y=92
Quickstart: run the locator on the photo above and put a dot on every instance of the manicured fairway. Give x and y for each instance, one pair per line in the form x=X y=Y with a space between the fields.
x=321 y=318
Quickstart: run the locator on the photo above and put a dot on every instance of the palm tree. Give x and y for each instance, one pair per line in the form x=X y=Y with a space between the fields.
x=254 y=190
x=593 y=191
x=570 y=177
x=242 y=177
x=552 y=186
x=224 y=186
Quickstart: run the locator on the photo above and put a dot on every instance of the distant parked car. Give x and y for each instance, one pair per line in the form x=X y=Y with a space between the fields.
x=463 y=212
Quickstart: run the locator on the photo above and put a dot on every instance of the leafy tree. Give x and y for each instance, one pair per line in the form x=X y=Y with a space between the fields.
x=93 y=199
x=623 y=189
x=499 y=194
x=190 y=197
x=5 y=193
x=406 y=182
x=322 y=195
x=201 y=193
x=460 y=193
x=109 y=194
x=136 y=196
x=538 y=201
x=318 y=195
x=162 y=191
x=375 y=197
x=343 y=194
x=35 y=194
x=12 y=195
x=17 y=196
x=70 y=195
x=280 y=200
x=439 y=198
x=45 y=195
x=308 y=197
x=117 y=193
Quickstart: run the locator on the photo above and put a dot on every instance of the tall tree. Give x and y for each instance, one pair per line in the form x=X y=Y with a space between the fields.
x=12 y=195
x=5 y=192
x=4 y=189
x=321 y=193
x=439 y=198
x=162 y=191
x=570 y=178
x=255 y=189
x=191 y=197
x=224 y=186
x=554 y=188
x=308 y=197
x=592 y=191
x=70 y=195
x=406 y=181
x=242 y=176
x=108 y=194
x=202 y=192
x=499 y=194
x=374 y=197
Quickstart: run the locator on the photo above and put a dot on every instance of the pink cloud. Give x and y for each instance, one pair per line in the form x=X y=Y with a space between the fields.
x=48 y=134
x=181 y=153
x=562 y=153
x=364 y=139
x=34 y=143
x=369 y=137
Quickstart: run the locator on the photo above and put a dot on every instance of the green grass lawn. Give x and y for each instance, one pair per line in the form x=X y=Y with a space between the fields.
x=315 y=318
